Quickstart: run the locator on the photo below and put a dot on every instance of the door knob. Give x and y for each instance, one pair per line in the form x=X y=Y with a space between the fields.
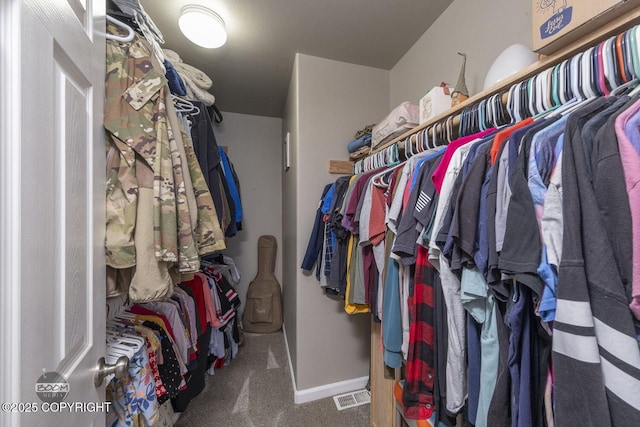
x=119 y=369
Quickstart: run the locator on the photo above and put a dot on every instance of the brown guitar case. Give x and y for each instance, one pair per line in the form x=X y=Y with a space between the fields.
x=263 y=310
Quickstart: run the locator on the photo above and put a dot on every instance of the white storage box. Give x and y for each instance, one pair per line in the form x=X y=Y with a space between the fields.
x=436 y=101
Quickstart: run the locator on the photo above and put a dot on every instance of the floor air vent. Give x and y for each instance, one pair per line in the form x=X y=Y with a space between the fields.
x=354 y=398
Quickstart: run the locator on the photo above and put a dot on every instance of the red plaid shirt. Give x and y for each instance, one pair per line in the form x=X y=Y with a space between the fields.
x=417 y=396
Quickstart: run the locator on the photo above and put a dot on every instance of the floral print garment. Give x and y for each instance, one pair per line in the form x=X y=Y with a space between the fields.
x=133 y=397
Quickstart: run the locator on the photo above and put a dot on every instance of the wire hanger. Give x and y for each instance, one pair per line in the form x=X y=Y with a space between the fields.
x=622 y=66
x=408 y=148
x=184 y=106
x=587 y=74
x=544 y=101
x=563 y=82
x=605 y=89
x=593 y=70
x=634 y=36
x=555 y=85
x=434 y=136
x=482 y=114
x=532 y=91
x=608 y=63
x=628 y=55
x=449 y=124
x=414 y=142
x=517 y=94
x=511 y=103
x=524 y=100
x=424 y=138
x=574 y=77
x=540 y=92
x=497 y=110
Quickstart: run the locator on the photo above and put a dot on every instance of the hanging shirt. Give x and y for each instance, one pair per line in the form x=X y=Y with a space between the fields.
x=523 y=357
x=594 y=345
x=468 y=214
x=329 y=235
x=363 y=217
x=133 y=396
x=417 y=394
x=198 y=299
x=503 y=135
x=234 y=190
x=357 y=292
x=444 y=199
x=421 y=204
x=135 y=114
x=456 y=373
x=440 y=173
x=314 y=247
x=208 y=231
x=506 y=168
x=392 y=320
x=541 y=159
x=179 y=333
x=190 y=311
x=627 y=130
x=337 y=278
x=377 y=226
x=480 y=304
x=608 y=179
x=401 y=189
x=447 y=238
x=542 y=155
x=520 y=256
x=551 y=229
x=206 y=150
x=170 y=369
x=354 y=269
x=493 y=275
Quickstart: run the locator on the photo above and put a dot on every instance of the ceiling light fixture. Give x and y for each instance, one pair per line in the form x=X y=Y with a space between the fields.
x=202 y=26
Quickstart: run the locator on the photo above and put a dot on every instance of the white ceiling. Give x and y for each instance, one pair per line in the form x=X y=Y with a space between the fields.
x=251 y=72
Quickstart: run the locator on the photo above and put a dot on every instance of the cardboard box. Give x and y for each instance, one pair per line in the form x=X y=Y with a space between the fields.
x=435 y=102
x=557 y=23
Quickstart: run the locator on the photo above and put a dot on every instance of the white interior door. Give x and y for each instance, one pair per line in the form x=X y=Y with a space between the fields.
x=52 y=296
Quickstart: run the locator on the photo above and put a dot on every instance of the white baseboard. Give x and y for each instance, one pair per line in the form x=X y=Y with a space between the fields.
x=293 y=375
x=323 y=391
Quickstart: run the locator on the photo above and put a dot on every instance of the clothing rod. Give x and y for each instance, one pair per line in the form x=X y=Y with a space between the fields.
x=437 y=125
x=612 y=28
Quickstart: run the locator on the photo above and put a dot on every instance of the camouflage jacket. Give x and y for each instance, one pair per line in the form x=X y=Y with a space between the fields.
x=139 y=129
x=209 y=235
x=135 y=114
x=121 y=204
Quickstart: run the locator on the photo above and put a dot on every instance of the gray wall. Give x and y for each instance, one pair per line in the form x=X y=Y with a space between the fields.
x=290 y=124
x=254 y=146
x=480 y=28
x=333 y=100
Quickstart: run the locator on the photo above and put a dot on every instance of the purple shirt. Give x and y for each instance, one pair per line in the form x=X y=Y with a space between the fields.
x=349 y=220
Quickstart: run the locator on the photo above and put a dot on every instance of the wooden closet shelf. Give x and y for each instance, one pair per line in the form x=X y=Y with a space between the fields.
x=341 y=166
